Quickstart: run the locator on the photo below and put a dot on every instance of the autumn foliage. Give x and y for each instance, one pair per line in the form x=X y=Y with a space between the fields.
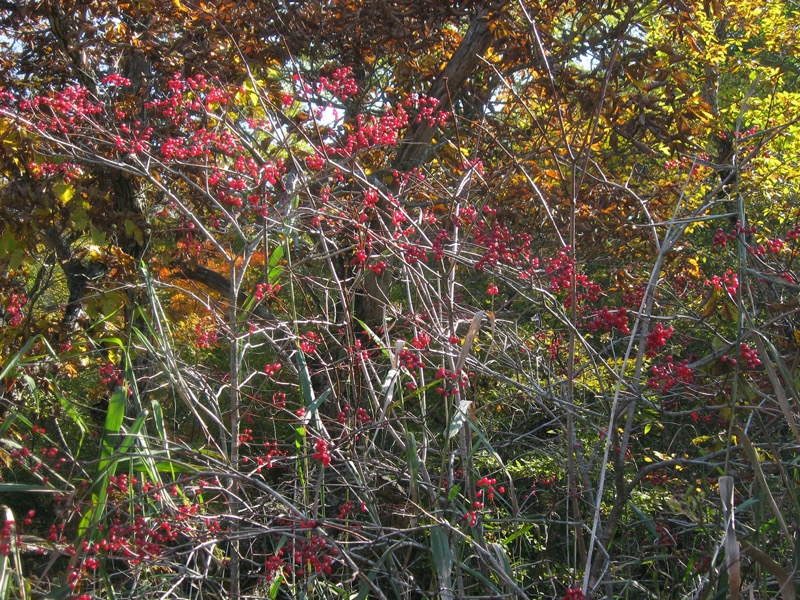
x=398 y=299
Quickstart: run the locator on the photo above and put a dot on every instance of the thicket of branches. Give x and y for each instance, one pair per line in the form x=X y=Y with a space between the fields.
x=394 y=300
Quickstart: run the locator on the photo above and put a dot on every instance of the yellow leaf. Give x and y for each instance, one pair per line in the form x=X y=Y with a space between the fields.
x=708 y=306
x=64 y=192
x=694 y=268
x=68 y=370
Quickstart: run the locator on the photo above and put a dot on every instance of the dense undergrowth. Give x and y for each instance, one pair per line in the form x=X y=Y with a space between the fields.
x=252 y=349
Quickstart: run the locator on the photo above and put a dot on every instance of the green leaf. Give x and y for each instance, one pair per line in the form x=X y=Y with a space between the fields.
x=502 y=558
x=521 y=531
x=133 y=231
x=98 y=237
x=161 y=431
x=7 y=423
x=646 y=521
x=454 y=491
x=10 y=250
x=24 y=488
x=274 y=268
x=310 y=402
x=378 y=341
x=8 y=243
x=7 y=571
x=80 y=220
x=747 y=504
x=73 y=414
x=459 y=418
x=16 y=260
x=116 y=411
x=442 y=554
x=5 y=577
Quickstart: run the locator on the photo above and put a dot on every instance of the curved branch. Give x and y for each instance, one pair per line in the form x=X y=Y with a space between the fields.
x=465 y=60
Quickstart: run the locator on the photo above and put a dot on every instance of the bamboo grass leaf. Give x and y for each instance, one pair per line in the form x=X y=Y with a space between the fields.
x=443 y=559
x=762 y=480
x=762 y=558
x=729 y=541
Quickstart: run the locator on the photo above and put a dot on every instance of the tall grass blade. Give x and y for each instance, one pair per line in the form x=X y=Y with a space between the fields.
x=107 y=464
x=784 y=577
x=9 y=571
x=729 y=541
x=274 y=268
x=762 y=481
x=12 y=362
x=466 y=348
x=442 y=560
x=780 y=392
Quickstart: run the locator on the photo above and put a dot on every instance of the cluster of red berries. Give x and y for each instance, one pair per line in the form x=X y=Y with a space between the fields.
x=670 y=373
x=136 y=140
x=410 y=359
x=207 y=336
x=665 y=537
x=657 y=478
x=265 y=461
x=729 y=281
x=498 y=243
x=109 y=373
x=66 y=170
x=775 y=245
x=377 y=131
x=340 y=84
x=67 y=111
x=345 y=509
x=5 y=536
x=607 y=320
x=370 y=198
x=427 y=109
x=309 y=342
x=793 y=233
x=487 y=490
x=272 y=369
x=749 y=355
x=413 y=253
x=119 y=483
x=471 y=517
x=273 y=565
x=245 y=437
x=657 y=339
x=14 y=314
x=321 y=452
x=721 y=237
x=421 y=341
x=315 y=162
x=698 y=418
x=378 y=267
x=739 y=134
x=308 y=556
